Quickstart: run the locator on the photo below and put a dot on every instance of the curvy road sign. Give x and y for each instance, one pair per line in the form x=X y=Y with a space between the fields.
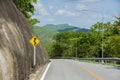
x=34 y=41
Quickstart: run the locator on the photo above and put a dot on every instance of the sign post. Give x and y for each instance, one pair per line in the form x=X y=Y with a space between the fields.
x=34 y=41
x=34 y=56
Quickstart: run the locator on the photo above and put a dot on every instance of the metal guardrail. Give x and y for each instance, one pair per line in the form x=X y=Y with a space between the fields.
x=104 y=59
x=115 y=61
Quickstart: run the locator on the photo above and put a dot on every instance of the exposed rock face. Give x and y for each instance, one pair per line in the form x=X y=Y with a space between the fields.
x=16 y=53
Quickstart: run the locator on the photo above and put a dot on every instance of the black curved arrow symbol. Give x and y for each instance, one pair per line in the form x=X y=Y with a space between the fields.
x=34 y=41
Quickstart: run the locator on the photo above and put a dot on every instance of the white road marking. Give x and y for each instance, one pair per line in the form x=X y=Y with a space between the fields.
x=44 y=74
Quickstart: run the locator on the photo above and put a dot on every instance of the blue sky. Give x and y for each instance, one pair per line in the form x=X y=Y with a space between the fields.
x=72 y=12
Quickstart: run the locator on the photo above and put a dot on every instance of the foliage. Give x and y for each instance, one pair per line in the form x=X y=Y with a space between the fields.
x=45 y=36
x=33 y=21
x=88 y=45
x=27 y=8
x=112 y=46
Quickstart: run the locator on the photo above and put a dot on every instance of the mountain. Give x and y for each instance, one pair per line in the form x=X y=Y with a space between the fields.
x=47 y=32
x=65 y=27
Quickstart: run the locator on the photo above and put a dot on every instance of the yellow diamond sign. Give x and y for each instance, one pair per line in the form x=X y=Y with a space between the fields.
x=34 y=41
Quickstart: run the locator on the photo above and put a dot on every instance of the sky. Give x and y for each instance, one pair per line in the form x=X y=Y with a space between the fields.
x=80 y=13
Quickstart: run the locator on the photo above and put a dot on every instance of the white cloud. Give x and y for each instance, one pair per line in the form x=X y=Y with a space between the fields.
x=100 y=17
x=90 y=0
x=40 y=9
x=66 y=7
x=37 y=17
x=70 y=24
x=66 y=13
x=50 y=7
x=51 y=19
x=81 y=7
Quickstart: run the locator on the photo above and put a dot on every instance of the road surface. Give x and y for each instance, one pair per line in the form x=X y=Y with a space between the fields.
x=64 y=69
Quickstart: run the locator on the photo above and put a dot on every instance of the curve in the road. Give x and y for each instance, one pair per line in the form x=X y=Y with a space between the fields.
x=64 y=69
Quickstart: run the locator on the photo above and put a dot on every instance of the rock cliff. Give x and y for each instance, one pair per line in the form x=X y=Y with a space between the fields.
x=16 y=53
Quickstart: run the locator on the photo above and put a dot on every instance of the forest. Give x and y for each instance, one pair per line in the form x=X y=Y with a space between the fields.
x=101 y=38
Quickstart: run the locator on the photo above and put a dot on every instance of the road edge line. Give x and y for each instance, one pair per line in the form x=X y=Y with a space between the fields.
x=45 y=72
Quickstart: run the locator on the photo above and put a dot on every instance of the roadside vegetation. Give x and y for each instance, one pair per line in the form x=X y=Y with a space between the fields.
x=27 y=8
x=89 y=45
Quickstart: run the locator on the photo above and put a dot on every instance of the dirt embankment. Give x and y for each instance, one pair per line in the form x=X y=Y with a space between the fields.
x=16 y=53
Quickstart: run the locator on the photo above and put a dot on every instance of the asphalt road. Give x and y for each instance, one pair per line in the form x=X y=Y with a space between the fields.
x=63 y=69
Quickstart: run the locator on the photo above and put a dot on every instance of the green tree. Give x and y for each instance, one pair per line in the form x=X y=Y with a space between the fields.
x=116 y=28
x=62 y=44
x=88 y=45
x=112 y=45
x=27 y=8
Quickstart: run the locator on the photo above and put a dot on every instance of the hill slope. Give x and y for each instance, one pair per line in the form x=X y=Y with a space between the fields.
x=45 y=35
x=65 y=27
x=47 y=32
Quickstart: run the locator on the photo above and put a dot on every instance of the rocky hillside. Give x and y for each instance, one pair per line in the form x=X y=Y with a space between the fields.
x=16 y=53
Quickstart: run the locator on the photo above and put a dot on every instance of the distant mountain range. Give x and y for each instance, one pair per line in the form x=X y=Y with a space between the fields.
x=47 y=32
x=65 y=27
